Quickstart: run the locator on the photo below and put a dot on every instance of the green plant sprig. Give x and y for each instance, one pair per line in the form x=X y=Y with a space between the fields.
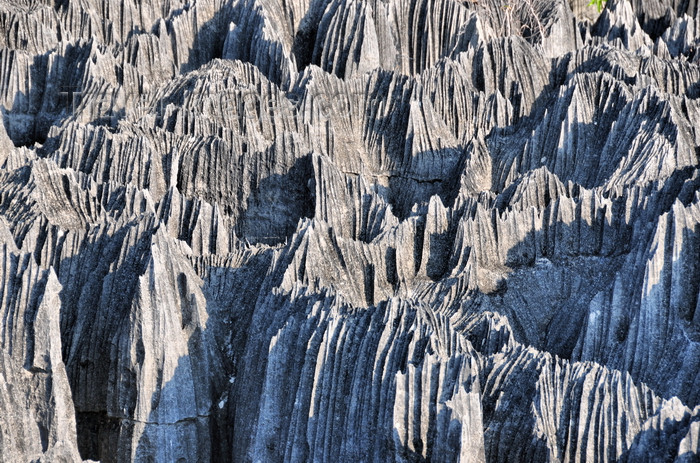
x=598 y=4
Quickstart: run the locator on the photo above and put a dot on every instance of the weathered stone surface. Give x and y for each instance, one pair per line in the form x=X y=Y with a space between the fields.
x=37 y=415
x=340 y=231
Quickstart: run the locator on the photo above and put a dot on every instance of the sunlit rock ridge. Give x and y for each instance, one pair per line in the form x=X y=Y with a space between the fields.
x=349 y=231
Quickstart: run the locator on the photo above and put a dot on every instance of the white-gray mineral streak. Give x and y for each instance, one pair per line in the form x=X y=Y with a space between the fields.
x=349 y=231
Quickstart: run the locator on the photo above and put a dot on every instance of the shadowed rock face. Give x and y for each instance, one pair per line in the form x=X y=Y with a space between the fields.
x=346 y=231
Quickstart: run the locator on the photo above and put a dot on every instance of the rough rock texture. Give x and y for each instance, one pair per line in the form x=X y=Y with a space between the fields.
x=344 y=231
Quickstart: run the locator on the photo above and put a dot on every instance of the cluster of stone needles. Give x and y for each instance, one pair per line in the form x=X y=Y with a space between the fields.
x=358 y=231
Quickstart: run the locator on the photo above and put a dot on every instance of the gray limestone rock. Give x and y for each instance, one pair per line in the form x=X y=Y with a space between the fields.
x=343 y=231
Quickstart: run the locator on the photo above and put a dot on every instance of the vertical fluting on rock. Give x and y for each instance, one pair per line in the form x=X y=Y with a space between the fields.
x=402 y=230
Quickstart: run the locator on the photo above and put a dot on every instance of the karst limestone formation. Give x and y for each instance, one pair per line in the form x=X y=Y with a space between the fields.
x=349 y=231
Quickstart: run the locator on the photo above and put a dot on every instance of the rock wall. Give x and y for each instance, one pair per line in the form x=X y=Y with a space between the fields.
x=342 y=231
